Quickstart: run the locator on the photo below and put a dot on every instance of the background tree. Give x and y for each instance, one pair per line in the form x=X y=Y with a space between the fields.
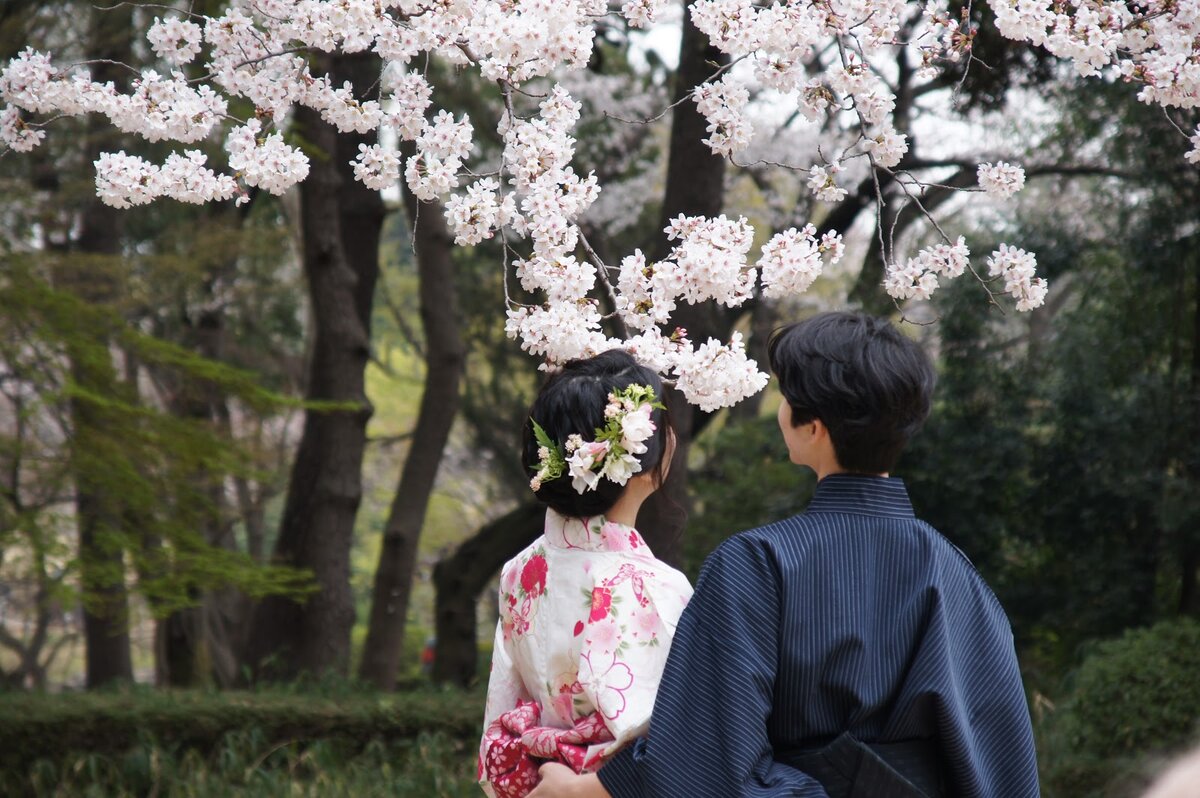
x=340 y=222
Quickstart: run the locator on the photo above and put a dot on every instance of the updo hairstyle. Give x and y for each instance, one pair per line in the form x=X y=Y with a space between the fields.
x=572 y=402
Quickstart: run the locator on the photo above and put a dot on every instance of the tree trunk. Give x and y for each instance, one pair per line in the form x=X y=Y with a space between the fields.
x=695 y=186
x=341 y=221
x=189 y=641
x=458 y=580
x=98 y=514
x=444 y=356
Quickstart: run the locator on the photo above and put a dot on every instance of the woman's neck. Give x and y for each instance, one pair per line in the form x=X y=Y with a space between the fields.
x=625 y=511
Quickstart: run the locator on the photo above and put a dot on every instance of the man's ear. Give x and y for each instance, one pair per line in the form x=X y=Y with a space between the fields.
x=820 y=431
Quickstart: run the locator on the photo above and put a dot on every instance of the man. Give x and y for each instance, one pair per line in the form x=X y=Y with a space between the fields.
x=850 y=650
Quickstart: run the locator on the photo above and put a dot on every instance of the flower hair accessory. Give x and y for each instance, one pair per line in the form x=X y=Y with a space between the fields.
x=611 y=455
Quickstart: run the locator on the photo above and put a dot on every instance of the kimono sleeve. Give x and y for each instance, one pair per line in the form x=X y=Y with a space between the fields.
x=634 y=609
x=505 y=689
x=708 y=735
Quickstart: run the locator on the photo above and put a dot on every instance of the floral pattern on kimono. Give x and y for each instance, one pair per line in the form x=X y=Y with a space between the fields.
x=586 y=619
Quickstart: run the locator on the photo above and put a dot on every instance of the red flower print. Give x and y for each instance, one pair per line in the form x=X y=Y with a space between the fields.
x=578 y=628
x=533 y=575
x=601 y=601
x=633 y=540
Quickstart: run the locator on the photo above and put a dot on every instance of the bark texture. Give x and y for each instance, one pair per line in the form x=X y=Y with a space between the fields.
x=98 y=512
x=341 y=221
x=695 y=187
x=445 y=354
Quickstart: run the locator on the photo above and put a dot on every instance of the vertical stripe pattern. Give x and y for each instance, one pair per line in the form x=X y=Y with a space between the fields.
x=853 y=616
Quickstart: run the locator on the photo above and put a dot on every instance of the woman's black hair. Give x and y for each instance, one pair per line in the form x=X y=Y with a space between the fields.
x=571 y=402
x=869 y=384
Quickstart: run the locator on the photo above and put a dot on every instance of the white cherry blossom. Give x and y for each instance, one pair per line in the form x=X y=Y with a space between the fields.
x=537 y=193
x=1001 y=180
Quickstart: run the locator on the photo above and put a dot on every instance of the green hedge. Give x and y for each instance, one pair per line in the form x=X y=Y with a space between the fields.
x=36 y=726
x=1131 y=702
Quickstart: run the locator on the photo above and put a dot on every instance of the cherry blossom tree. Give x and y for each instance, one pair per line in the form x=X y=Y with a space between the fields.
x=822 y=58
x=849 y=70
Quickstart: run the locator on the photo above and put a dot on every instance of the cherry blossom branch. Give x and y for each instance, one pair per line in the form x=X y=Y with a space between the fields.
x=677 y=103
x=602 y=273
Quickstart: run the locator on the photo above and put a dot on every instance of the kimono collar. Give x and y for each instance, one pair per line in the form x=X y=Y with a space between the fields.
x=861 y=494
x=592 y=534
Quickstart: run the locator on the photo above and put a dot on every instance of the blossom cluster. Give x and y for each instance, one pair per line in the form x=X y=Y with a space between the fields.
x=917 y=278
x=1001 y=180
x=1018 y=269
x=793 y=259
x=817 y=58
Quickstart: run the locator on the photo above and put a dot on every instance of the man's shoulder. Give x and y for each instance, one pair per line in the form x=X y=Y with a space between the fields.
x=809 y=534
x=769 y=542
x=957 y=573
x=809 y=526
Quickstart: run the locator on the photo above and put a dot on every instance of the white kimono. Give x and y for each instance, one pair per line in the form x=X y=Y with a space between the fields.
x=587 y=615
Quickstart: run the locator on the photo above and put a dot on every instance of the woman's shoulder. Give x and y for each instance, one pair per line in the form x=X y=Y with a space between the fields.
x=537 y=548
x=646 y=570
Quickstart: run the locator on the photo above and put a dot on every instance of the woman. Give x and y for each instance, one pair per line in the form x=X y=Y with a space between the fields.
x=586 y=611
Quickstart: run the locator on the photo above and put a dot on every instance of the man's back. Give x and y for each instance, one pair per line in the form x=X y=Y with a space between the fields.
x=889 y=633
x=851 y=617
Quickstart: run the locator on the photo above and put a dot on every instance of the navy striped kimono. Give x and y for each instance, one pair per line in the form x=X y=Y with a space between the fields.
x=851 y=617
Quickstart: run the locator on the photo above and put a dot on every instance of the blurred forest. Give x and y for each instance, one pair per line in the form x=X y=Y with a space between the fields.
x=265 y=456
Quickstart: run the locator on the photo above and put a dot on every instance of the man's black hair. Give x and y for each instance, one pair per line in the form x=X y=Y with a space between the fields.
x=867 y=383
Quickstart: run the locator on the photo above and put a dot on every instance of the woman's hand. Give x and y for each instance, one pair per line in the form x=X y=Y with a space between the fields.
x=559 y=781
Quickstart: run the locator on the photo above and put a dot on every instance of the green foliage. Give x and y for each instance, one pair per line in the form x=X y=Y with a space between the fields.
x=429 y=766
x=1060 y=454
x=151 y=474
x=196 y=731
x=747 y=480
x=249 y=763
x=1130 y=699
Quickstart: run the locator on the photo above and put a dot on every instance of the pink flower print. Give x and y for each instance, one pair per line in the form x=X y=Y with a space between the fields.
x=647 y=625
x=634 y=540
x=563 y=705
x=614 y=537
x=604 y=635
x=607 y=683
x=508 y=603
x=564 y=700
x=601 y=602
x=578 y=628
x=533 y=575
x=517 y=622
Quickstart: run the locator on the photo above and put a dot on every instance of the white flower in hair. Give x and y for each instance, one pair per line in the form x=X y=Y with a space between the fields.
x=620 y=469
x=581 y=462
x=628 y=425
x=636 y=427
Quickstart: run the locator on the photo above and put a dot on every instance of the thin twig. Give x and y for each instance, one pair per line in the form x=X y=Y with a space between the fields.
x=680 y=101
x=602 y=269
